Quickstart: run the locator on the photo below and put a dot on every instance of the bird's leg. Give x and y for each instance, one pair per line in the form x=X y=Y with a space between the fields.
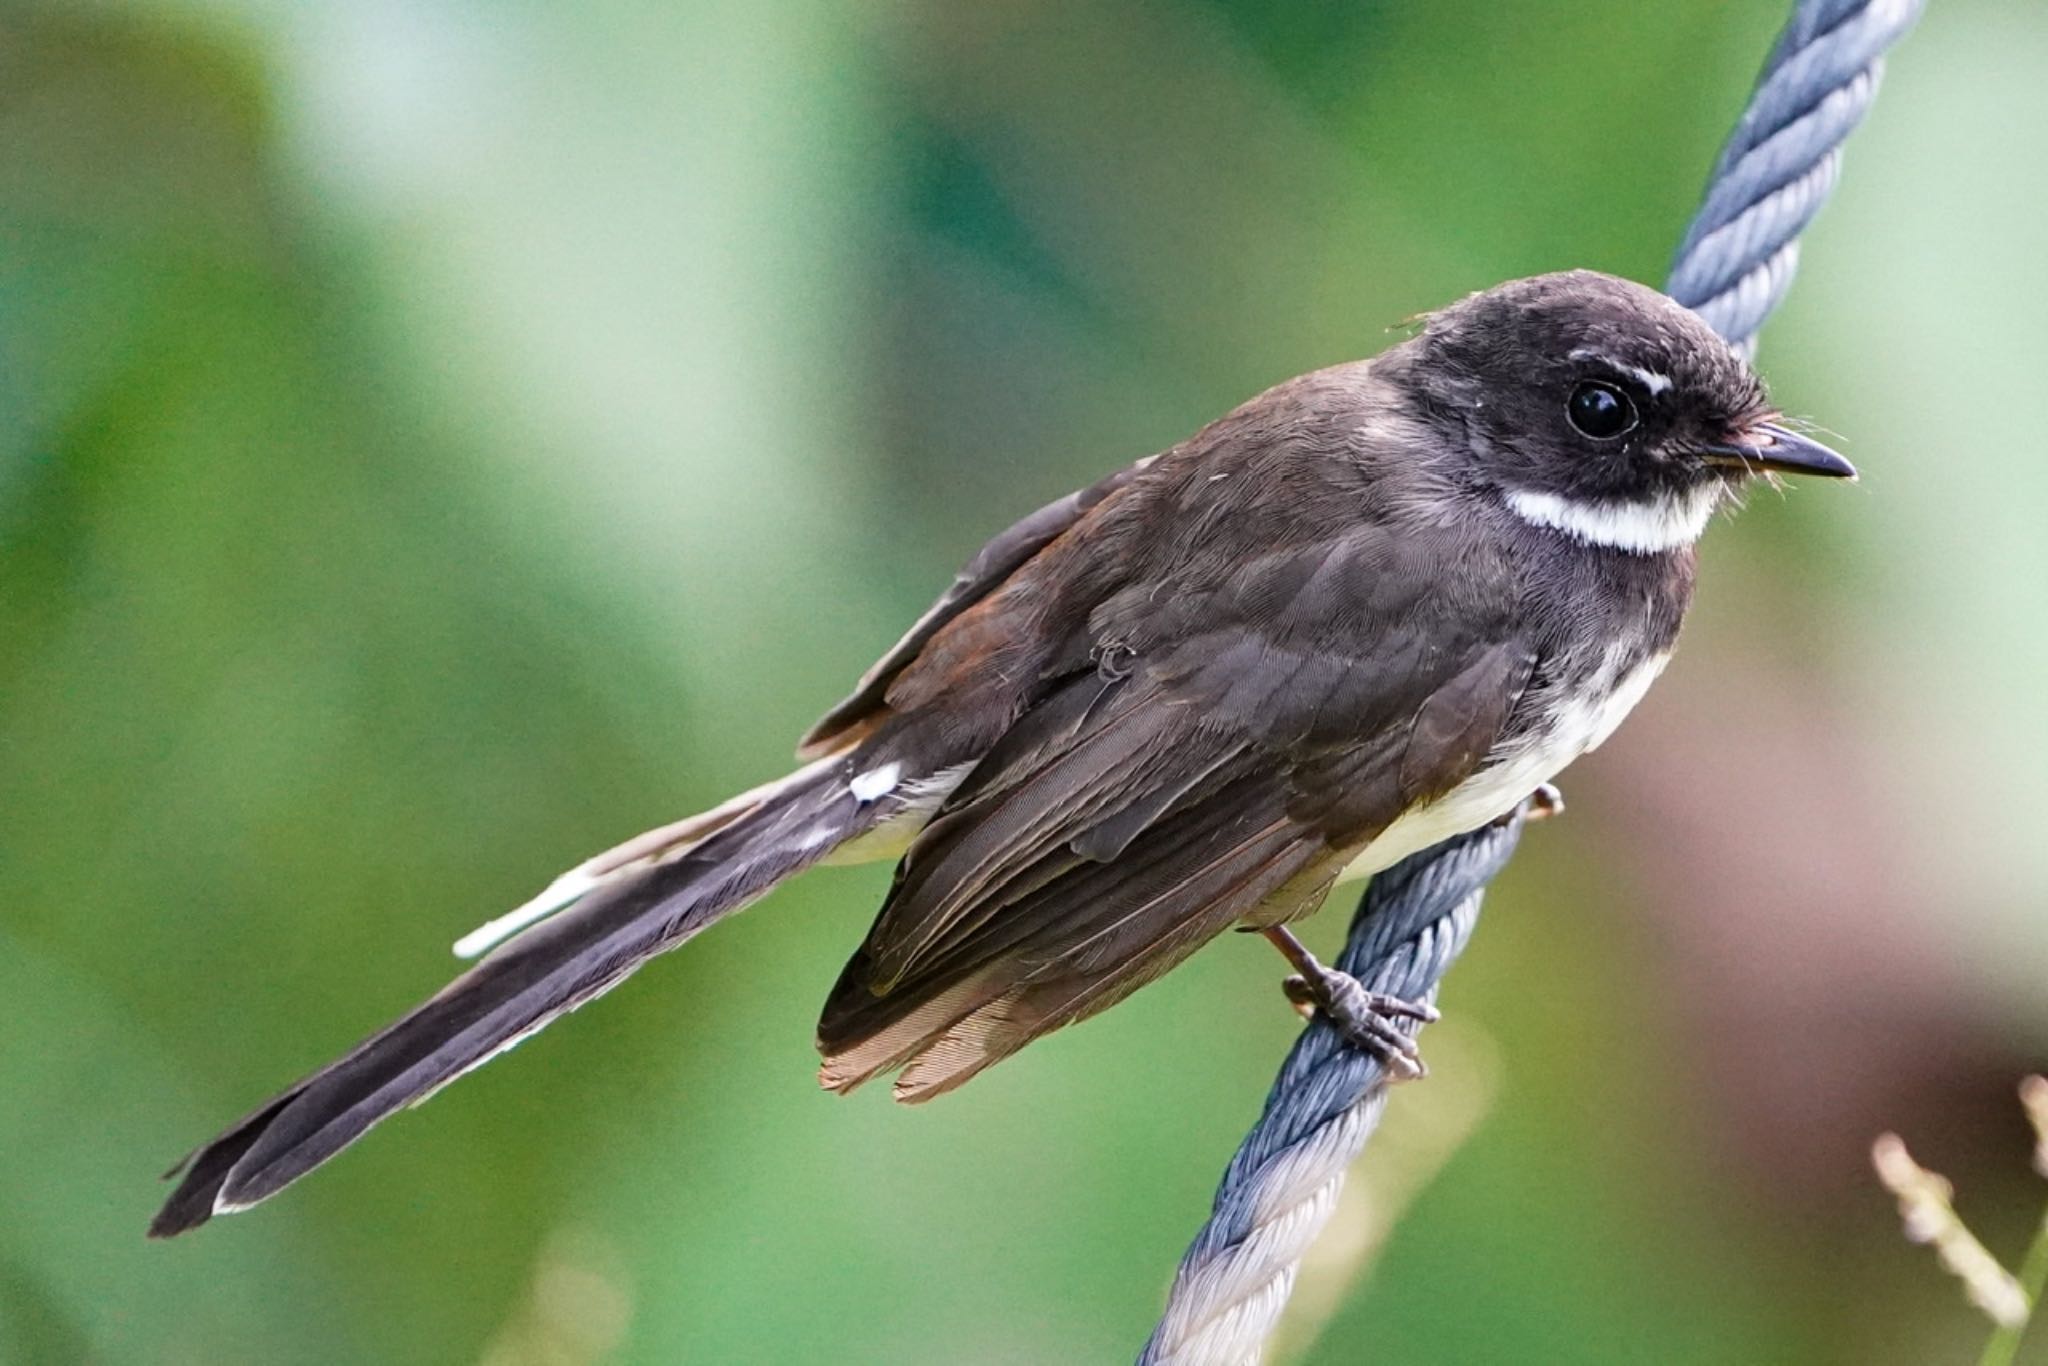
x=1364 y=1018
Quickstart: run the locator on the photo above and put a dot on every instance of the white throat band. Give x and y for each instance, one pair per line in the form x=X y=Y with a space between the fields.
x=1640 y=527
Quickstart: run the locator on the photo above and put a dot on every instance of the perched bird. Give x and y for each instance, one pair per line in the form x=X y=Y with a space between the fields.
x=1374 y=607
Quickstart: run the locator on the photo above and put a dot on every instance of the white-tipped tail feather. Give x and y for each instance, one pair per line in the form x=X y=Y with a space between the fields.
x=582 y=936
x=565 y=890
x=646 y=850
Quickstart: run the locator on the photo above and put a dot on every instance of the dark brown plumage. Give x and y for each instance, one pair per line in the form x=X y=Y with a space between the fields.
x=1373 y=606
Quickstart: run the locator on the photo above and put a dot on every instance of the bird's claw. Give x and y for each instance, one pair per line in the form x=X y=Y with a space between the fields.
x=1364 y=1019
x=1546 y=801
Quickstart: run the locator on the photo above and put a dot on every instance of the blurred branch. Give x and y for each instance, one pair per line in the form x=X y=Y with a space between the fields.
x=2033 y=1278
x=1927 y=1207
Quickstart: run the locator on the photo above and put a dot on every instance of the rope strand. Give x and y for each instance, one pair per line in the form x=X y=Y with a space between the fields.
x=1733 y=267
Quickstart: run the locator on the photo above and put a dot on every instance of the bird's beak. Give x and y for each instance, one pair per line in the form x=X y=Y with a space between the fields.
x=1767 y=446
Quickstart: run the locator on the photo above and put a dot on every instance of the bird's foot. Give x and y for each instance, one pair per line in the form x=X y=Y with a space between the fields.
x=1364 y=1019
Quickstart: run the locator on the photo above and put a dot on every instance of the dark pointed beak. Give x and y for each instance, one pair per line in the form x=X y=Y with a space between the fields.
x=1767 y=446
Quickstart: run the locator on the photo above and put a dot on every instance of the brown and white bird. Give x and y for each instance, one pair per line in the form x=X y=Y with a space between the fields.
x=1374 y=607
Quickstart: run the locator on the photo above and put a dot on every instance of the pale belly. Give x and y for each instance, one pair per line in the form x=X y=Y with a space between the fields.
x=1493 y=791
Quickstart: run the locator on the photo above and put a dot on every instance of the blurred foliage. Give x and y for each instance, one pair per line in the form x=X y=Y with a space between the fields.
x=440 y=439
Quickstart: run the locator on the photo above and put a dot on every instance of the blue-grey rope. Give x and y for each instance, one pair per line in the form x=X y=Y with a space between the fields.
x=1733 y=267
x=1780 y=164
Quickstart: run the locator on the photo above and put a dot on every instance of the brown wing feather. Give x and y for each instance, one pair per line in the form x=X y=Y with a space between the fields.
x=1072 y=947
x=1000 y=928
x=1040 y=801
x=1191 y=703
x=1045 y=1003
x=991 y=566
x=1461 y=720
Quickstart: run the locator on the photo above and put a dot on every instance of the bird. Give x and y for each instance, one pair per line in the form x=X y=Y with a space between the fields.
x=1374 y=607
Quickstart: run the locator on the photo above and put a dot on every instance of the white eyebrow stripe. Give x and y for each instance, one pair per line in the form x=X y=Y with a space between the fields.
x=1650 y=379
x=1666 y=522
x=1654 y=382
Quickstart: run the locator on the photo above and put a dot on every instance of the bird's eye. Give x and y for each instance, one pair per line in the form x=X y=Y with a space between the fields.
x=1600 y=411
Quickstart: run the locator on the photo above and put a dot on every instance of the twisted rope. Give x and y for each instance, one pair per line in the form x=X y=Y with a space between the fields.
x=1780 y=164
x=1280 y=1188
x=1733 y=268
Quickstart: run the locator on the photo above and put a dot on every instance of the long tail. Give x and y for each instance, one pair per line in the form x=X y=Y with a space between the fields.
x=648 y=896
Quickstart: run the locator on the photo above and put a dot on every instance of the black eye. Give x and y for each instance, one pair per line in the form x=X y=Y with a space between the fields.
x=1599 y=410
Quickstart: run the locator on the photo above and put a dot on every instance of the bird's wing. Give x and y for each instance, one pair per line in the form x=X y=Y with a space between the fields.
x=994 y=563
x=1234 y=743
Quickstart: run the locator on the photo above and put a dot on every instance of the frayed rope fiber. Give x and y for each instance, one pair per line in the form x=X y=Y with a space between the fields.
x=1733 y=267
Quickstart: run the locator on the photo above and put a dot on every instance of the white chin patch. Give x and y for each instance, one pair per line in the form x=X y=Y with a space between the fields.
x=1640 y=526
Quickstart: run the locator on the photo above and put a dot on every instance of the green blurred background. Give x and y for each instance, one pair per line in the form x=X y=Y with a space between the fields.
x=440 y=439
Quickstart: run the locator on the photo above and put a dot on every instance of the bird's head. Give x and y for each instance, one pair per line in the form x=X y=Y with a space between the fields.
x=1581 y=396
